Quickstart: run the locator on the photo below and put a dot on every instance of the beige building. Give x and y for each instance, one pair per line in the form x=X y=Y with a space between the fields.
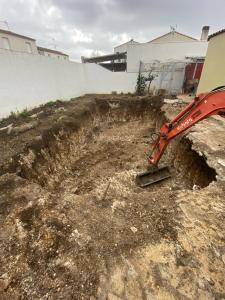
x=213 y=73
x=52 y=53
x=170 y=37
x=16 y=42
x=173 y=36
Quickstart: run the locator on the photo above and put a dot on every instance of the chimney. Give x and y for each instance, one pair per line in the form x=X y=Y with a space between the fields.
x=205 y=33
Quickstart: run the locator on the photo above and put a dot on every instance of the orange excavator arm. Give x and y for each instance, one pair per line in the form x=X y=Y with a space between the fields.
x=203 y=106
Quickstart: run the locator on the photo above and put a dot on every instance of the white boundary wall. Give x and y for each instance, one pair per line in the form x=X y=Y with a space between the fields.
x=28 y=80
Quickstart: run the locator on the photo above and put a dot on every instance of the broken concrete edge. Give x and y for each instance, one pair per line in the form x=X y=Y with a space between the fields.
x=212 y=161
x=202 y=149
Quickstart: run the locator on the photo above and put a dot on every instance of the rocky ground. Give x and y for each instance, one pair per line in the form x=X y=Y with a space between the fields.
x=74 y=225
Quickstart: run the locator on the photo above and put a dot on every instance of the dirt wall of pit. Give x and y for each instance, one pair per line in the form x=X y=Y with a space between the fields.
x=49 y=152
x=79 y=124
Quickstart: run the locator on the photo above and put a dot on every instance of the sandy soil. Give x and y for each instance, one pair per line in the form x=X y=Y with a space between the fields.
x=76 y=226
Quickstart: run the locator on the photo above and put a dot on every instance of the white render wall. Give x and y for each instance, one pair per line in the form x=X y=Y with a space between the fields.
x=28 y=80
x=162 y=52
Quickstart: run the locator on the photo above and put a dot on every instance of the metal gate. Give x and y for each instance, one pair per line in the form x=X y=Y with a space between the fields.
x=168 y=75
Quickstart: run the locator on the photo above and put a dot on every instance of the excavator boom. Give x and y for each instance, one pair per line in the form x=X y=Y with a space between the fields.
x=202 y=106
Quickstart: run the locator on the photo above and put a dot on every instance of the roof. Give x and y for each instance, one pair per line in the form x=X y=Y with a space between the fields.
x=190 y=37
x=216 y=33
x=128 y=42
x=103 y=58
x=51 y=51
x=16 y=34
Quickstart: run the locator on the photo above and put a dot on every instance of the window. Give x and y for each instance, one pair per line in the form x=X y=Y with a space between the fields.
x=29 y=49
x=5 y=42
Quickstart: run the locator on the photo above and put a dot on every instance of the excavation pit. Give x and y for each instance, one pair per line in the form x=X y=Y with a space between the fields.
x=112 y=138
x=73 y=211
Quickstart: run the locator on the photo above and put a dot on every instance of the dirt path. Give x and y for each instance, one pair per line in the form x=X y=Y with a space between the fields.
x=80 y=228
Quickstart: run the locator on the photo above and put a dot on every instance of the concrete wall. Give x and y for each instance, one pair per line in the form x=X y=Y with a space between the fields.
x=148 y=52
x=213 y=73
x=30 y=80
x=18 y=43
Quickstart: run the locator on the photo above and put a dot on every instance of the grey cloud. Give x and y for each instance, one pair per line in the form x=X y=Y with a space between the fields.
x=82 y=26
x=82 y=12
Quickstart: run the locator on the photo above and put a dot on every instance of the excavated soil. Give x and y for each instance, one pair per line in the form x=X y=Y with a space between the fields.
x=74 y=225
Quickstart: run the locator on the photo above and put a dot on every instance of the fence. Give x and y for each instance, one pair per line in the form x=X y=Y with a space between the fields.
x=168 y=75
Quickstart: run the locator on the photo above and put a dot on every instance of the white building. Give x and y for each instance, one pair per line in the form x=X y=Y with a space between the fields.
x=52 y=53
x=171 y=46
x=16 y=42
x=123 y=47
x=165 y=56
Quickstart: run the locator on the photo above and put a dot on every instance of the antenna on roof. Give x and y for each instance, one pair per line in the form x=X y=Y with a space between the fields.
x=6 y=23
x=173 y=28
x=54 y=43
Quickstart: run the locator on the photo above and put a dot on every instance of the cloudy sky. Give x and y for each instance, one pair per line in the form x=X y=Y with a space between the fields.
x=87 y=27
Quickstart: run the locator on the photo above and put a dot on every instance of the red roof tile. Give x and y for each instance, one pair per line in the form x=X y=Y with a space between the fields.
x=216 y=33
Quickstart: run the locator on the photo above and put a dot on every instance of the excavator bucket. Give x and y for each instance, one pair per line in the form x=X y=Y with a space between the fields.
x=152 y=175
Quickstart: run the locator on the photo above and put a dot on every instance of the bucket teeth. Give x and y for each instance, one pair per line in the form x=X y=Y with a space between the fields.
x=152 y=175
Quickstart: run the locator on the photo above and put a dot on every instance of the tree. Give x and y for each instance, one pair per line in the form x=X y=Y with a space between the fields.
x=141 y=85
x=149 y=79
